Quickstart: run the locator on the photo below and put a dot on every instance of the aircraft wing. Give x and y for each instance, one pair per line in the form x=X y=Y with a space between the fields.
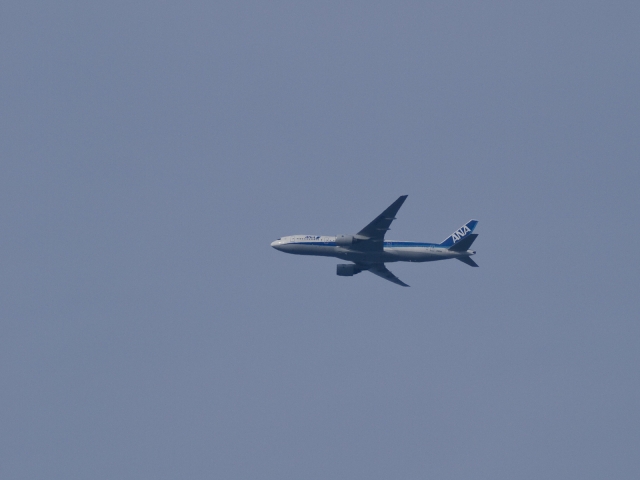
x=376 y=230
x=380 y=270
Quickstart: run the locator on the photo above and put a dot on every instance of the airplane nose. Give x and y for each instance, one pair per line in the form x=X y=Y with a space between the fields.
x=279 y=244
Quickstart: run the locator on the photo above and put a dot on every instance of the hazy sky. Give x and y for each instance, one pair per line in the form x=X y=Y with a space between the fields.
x=150 y=152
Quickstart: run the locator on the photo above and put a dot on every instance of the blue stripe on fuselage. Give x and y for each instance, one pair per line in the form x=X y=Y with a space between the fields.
x=409 y=244
x=386 y=244
x=320 y=244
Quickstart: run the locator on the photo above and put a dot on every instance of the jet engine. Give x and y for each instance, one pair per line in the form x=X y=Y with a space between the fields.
x=347 y=269
x=345 y=240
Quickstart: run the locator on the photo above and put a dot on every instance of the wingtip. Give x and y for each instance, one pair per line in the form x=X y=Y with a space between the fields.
x=401 y=199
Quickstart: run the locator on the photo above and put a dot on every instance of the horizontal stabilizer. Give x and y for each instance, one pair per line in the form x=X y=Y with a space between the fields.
x=468 y=261
x=464 y=244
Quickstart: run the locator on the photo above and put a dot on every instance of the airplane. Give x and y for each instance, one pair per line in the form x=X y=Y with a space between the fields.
x=369 y=251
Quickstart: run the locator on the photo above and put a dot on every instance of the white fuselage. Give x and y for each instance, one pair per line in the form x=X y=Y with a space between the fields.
x=393 y=251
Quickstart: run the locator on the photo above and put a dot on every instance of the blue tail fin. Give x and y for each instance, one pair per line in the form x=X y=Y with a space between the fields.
x=459 y=234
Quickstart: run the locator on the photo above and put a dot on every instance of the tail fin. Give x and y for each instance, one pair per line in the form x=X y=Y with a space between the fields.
x=460 y=234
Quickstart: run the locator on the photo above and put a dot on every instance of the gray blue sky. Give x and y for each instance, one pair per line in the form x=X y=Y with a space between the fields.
x=151 y=151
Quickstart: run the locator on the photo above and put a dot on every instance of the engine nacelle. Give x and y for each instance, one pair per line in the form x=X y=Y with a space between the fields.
x=347 y=269
x=345 y=240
